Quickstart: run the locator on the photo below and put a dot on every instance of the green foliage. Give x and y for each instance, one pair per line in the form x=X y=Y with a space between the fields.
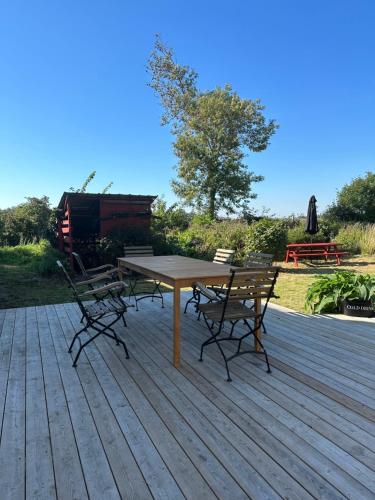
x=327 y=231
x=355 y=202
x=88 y=180
x=267 y=236
x=358 y=238
x=202 y=240
x=167 y=218
x=212 y=129
x=326 y=293
x=107 y=188
x=28 y=222
x=107 y=249
x=38 y=257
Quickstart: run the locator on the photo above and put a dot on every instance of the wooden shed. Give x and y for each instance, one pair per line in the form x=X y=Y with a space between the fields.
x=88 y=216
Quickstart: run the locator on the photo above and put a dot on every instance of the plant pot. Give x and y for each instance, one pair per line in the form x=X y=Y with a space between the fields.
x=359 y=308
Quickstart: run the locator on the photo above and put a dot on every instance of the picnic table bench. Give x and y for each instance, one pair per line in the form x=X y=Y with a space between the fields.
x=297 y=250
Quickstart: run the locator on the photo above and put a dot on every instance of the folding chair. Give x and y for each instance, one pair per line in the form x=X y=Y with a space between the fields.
x=93 y=313
x=138 y=279
x=107 y=272
x=222 y=256
x=244 y=284
x=258 y=259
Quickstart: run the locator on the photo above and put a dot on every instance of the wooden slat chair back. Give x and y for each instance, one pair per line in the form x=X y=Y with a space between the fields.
x=95 y=313
x=138 y=251
x=136 y=279
x=251 y=283
x=223 y=256
x=244 y=284
x=257 y=259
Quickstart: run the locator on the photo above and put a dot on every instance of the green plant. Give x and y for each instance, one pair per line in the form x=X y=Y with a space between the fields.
x=327 y=231
x=38 y=257
x=267 y=236
x=28 y=222
x=326 y=294
x=355 y=202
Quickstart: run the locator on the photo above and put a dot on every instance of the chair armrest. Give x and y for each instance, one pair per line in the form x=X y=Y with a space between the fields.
x=100 y=268
x=116 y=286
x=209 y=294
x=219 y=290
x=96 y=279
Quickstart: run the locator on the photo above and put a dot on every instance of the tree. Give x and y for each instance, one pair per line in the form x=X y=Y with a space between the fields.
x=355 y=202
x=28 y=222
x=213 y=129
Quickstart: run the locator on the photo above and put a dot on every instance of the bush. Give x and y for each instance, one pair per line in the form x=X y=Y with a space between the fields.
x=327 y=232
x=39 y=257
x=29 y=222
x=107 y=249
x=267 y=236
x=201 y=240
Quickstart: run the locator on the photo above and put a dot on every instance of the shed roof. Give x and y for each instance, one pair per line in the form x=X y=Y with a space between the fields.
x=98 y=196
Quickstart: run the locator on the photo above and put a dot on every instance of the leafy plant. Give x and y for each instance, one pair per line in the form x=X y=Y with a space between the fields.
x=37 y=257
x=326 y=294
x=355 y=202
x=267 y=236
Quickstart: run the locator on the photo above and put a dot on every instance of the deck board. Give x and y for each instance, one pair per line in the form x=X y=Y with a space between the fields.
x=140 y=429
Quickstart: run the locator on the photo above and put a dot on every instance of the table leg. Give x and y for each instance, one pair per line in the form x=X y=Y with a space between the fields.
x=176 y=326
x=257 y=326
x=287 y=256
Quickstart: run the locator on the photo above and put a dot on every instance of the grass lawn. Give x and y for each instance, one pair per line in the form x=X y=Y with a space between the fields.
x=20 y=286
x=293 y=283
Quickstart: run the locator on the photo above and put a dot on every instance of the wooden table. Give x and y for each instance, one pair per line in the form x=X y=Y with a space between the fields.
x=298 y=250
x=180 y=272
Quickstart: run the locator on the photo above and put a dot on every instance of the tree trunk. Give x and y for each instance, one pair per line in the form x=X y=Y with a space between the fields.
x=211 y=205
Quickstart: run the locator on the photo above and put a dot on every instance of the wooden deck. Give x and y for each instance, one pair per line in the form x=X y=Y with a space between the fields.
x=138 y=428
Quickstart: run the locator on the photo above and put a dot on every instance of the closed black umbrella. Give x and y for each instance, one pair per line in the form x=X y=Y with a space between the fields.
x=311 y=225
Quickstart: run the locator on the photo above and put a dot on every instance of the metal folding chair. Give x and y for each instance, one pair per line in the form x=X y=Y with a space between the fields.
x=137 y=280
x=244 y=284
x=222 y=256
x=258 y=259
x=107 y=272
x=94 y=313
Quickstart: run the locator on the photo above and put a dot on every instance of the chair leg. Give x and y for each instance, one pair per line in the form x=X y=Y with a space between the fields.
x=190 y=301
x=76 y=336
x=99 y=331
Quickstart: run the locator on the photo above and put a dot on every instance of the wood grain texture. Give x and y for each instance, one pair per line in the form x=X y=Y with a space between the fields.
x=139 y=429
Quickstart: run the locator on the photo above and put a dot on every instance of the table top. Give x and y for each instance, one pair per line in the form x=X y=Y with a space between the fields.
x=313 y=245
x=176 y=268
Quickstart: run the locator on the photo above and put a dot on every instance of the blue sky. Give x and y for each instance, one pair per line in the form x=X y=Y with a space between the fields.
x=73 y=93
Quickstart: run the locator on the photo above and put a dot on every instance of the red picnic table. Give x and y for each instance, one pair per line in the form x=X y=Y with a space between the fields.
x=297 y=250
